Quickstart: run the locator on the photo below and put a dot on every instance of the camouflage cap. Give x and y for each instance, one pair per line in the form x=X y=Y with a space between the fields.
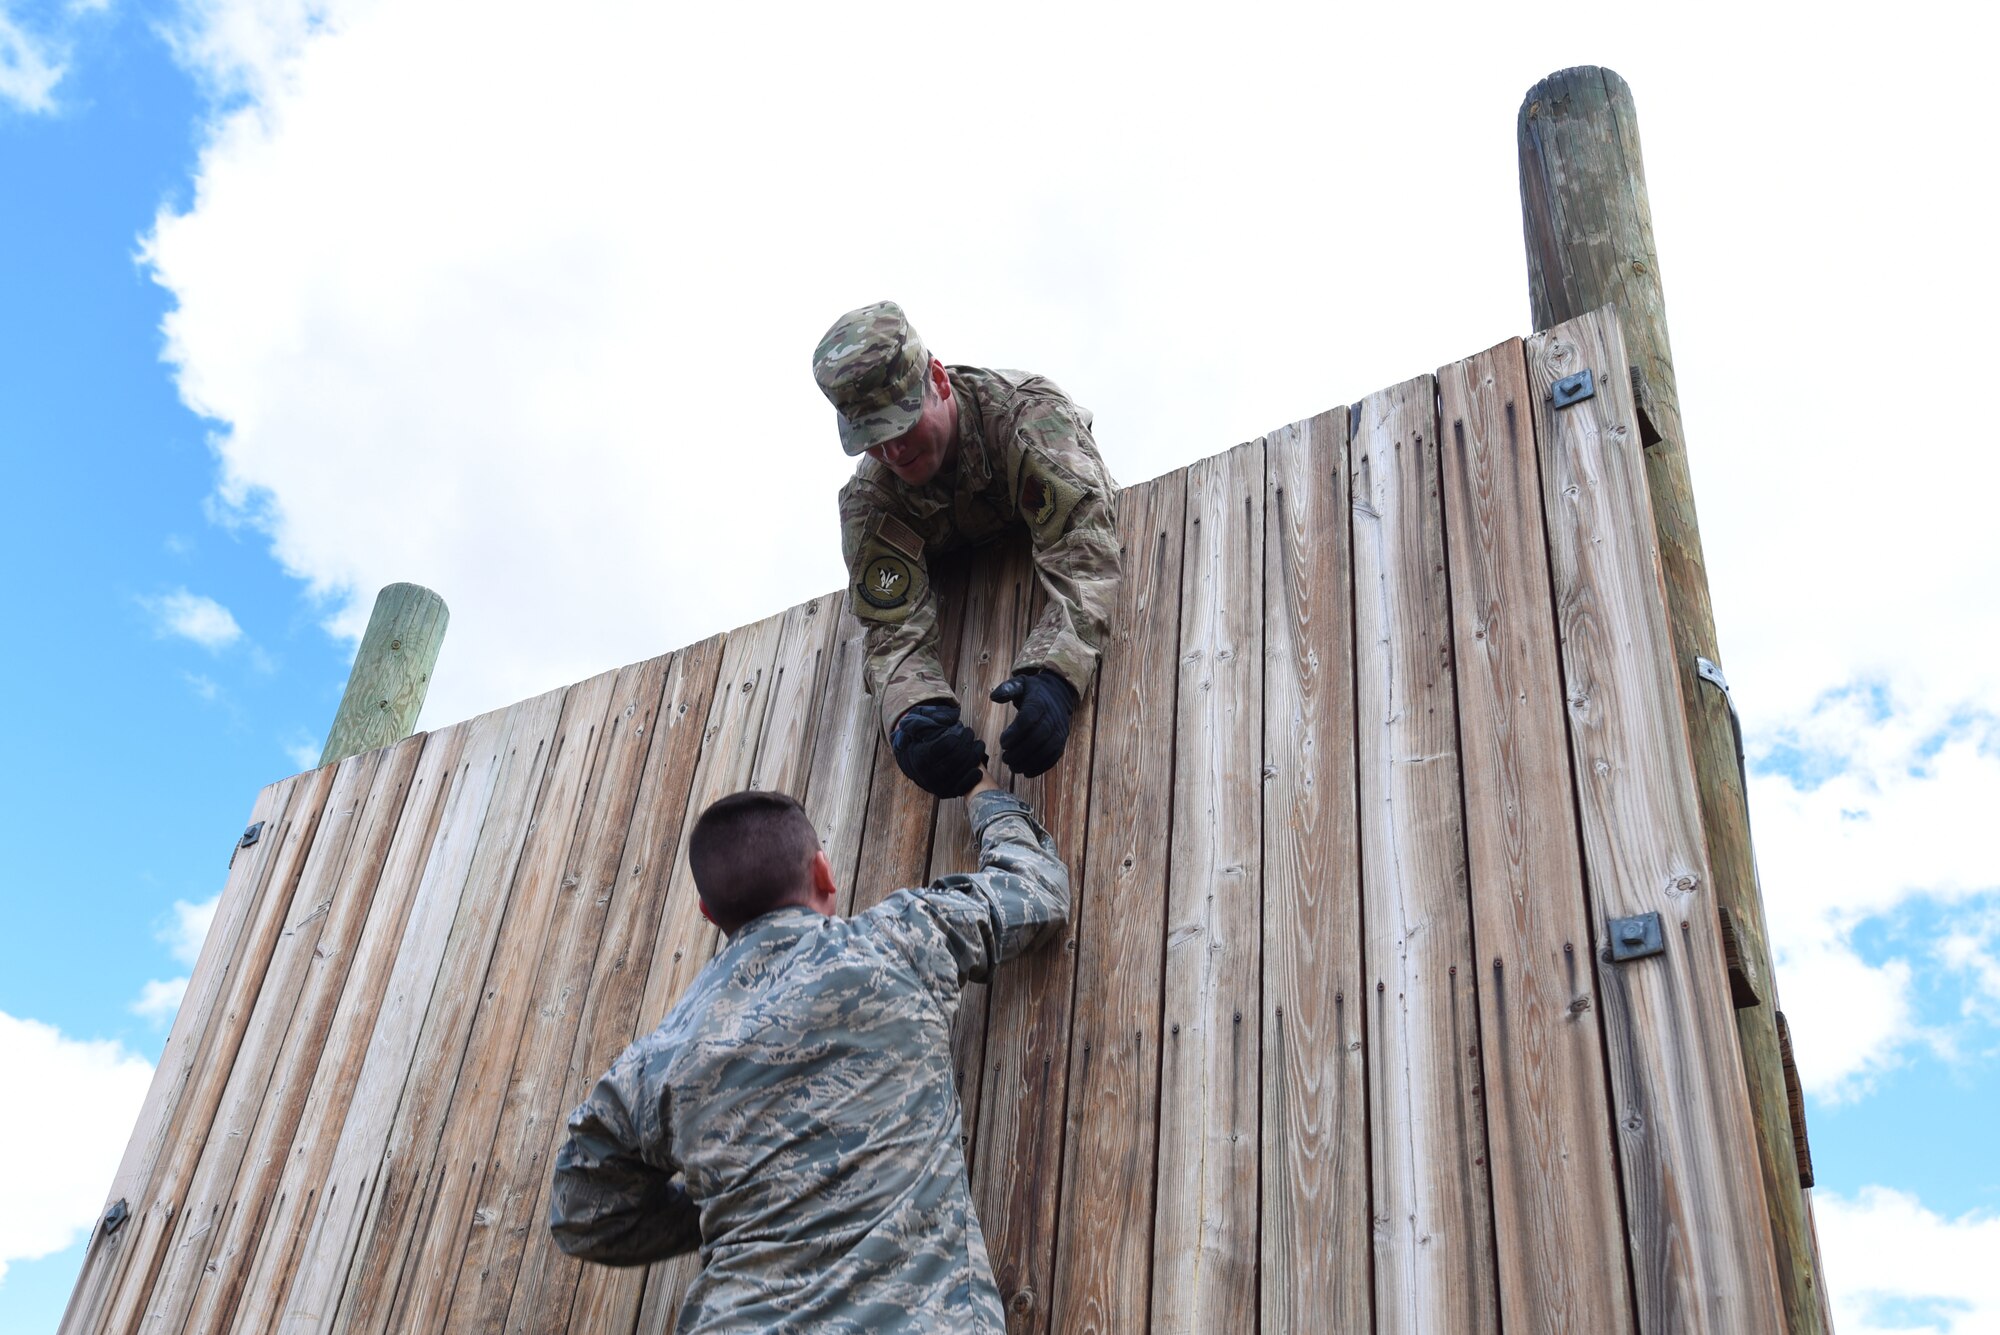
x=871 y=367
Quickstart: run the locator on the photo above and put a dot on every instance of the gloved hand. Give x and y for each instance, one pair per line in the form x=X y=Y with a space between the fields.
x=1043 y=702
x=938 y=753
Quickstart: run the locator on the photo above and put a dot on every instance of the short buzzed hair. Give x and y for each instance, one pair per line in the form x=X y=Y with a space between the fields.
x=751 y=853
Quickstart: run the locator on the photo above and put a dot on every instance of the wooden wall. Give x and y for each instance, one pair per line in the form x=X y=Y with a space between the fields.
x=1388 y=733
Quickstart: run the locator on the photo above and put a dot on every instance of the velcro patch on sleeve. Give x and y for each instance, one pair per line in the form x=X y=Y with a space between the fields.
x=888 y=584
x=901 y=536
x=1048 y=494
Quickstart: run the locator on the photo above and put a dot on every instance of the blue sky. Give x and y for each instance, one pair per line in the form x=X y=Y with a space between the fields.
x=307 y=297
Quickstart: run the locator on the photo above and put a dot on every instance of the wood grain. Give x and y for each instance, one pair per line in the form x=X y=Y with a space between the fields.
x=1314 y=1223
x=995 y=622
x=1205 y=1217
x=1588 y=225
x=1555 y=1191
x=1018 y=1138
x=260 y=1278
x=1103 y=1242
x=313 y=1284
x=285 y=1033
x=510 y=1181
x=209 y=1097
x=164 y=1117
x=1696 y=1213
x=545 y=1282
x=1433 y=1217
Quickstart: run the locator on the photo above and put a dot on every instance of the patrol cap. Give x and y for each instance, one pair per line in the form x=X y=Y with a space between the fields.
x=871 y=366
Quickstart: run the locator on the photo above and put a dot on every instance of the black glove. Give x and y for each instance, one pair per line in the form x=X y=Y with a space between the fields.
x=938 y=753
x=1035 y=739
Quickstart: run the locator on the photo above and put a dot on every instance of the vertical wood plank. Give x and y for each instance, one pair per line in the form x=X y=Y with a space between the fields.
x=1205 y=1229
x=408 y=1269
x=609 y=1300
x=1556 y=1211
x=546 y=1281
x=510 y=1183
x=1700 y=1237
x=1104 y=1235
x=1018 y=1138
x=996 y=621
x=1433 y=1218
x=843 y=761
x=261 y=1276
x=262 y=937
x=1315 y=1229
x=286 y=1034
x=449 y=1101
x=163 y=1117
x=320 y=1271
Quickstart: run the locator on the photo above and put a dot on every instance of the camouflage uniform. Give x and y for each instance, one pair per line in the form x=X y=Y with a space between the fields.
x=1024 y=457
x=794 y=1116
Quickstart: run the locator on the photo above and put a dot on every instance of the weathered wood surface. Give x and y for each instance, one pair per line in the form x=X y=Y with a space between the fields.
x=1314 y=1207
x=1205 y=1214
x=391 y=674
x=1018 y=1137
x=1696 y=1215
x=1332 y=749
x=1103 y=1246
x=1427 y=1127
x=261 y=1278
x=1555 y=1192
x=545 y=1287
x=1588 y=225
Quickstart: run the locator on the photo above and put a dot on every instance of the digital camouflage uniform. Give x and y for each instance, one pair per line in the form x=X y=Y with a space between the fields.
x=1025 y=457
x=794 y=1116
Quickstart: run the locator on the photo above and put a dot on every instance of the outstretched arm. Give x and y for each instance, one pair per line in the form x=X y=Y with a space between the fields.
x=1069 y=504
x=889 y=588
x=960 y=927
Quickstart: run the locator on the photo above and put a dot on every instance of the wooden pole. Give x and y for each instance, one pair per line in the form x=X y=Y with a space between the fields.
x=392 y=672
x=1589 y=234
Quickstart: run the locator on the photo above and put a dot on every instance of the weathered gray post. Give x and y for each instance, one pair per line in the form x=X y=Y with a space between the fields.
x=392 y=672
x=1589 y=233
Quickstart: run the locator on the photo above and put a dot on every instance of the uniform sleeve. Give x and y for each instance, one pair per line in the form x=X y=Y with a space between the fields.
x=889 y=588
x=957 y=929
x=618 y=1198
x=1069 y=504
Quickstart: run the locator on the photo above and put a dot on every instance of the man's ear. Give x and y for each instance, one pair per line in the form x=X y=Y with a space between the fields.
x=703 y=905
x=825 y=893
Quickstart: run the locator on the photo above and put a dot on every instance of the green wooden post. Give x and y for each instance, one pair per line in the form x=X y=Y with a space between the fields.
x=392 y=672
x=1589 y=233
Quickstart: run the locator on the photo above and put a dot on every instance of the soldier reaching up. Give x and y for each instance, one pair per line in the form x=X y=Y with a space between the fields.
x=794 y=1115
x=955 y=456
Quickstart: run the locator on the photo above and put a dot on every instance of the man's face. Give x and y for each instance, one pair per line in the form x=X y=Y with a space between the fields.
x=916 y=456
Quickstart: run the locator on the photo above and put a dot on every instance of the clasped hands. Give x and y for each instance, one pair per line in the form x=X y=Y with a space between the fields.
x=942 y=755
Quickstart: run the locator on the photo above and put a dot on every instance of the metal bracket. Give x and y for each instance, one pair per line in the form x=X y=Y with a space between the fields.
x=115 y=1217
x=1712 y=674
x=1574 y=389
x=1636 y=938
x=251 y=835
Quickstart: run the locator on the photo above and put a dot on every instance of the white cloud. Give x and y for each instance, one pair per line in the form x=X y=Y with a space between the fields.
x=29 y=68
x=303 y=752
x=539 y=339
x=1894 y=1266
x=204 y=687
x=1901 y=814
x=52 y=1198
x=159 y=999
x=194 y=617
x=186 y=927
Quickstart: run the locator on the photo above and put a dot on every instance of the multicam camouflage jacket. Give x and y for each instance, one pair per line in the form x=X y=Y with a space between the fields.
x=795 y=1118
x=1025 y=457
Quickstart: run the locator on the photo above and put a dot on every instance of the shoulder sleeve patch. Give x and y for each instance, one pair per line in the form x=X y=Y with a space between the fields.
x=887 y=585
x=1048 y=494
